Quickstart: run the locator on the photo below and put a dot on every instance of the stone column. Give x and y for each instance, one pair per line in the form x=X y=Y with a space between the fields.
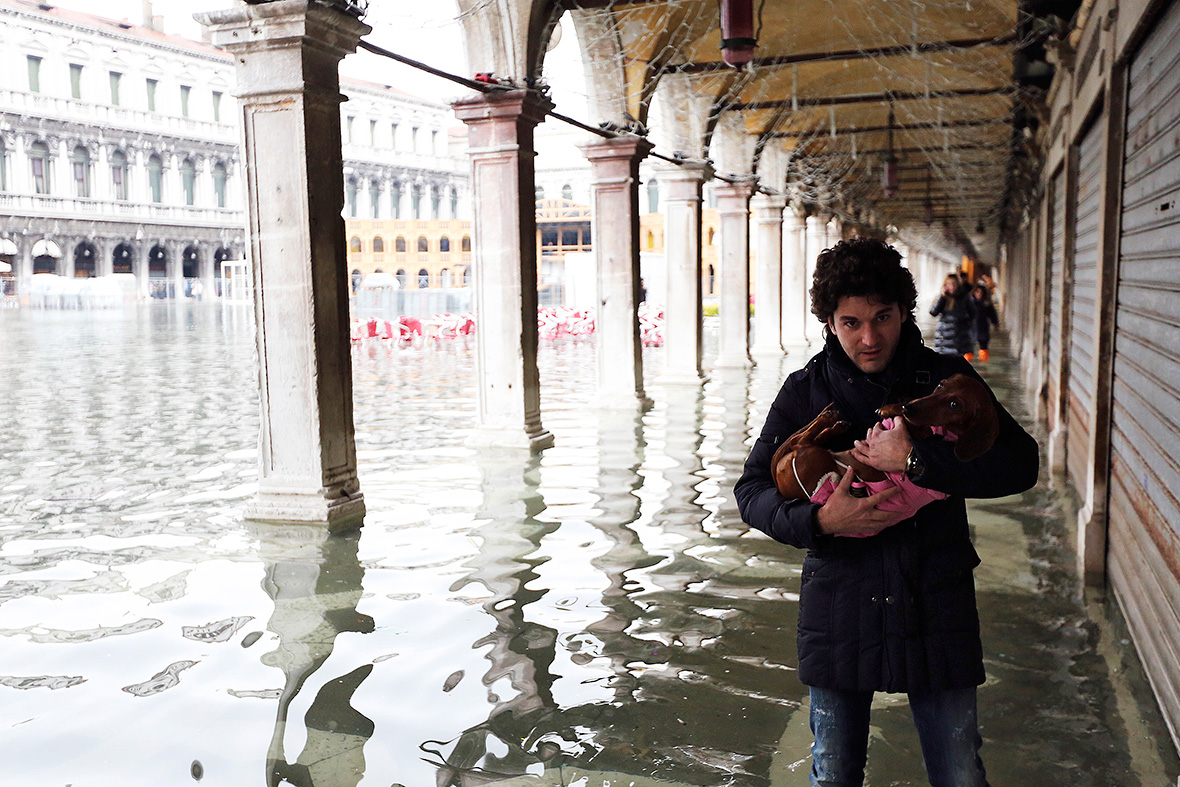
x=63 y=174
x=814 y=245
x=141 y=266
x=19 y=169
x=500 y=128
x=614 y=168
x=733 y=207
x=68 y=247
x=287 y=55
x=768 y=276
x=683 y=326
x=796 y=286
x=25 y=270
x=104 y=265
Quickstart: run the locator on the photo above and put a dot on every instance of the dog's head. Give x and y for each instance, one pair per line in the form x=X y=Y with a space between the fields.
x=962 y=405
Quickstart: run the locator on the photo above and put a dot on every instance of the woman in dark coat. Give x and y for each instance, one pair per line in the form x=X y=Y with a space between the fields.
x=985 y=317
x=896 y=611
x=955 y=313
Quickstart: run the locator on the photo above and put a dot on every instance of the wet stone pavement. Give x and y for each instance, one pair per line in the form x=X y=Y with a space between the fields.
x=594 y=615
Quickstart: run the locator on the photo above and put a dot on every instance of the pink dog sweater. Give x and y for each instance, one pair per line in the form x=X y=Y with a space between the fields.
x=904 y=504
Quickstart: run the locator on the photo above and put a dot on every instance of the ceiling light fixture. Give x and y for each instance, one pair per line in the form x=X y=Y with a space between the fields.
x=737 y=32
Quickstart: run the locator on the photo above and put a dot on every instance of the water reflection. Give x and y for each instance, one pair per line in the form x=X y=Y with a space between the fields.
x=594 y=614
x=315 y=581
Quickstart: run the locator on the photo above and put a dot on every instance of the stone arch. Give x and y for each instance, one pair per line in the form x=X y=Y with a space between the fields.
x=190 y=262
x=158 y=262
x=508 y=37
x=46 y=257
x=123 y=258
x=85 y=260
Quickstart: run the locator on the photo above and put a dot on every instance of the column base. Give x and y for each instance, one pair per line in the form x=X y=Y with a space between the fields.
x=678 y=377
x=770 y=351
x=623 y=400
x=733 y=362
x=339 y=512
x=498 y=437
x=1056 y=452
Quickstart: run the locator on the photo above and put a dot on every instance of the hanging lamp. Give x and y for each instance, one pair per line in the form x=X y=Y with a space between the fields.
x=737 y=32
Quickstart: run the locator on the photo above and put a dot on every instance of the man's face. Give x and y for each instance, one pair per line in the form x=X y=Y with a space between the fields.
x=868 y=330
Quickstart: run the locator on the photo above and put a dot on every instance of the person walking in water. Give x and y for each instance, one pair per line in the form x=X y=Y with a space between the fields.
x=985 y=317
x=894 y=611
x=953 y=308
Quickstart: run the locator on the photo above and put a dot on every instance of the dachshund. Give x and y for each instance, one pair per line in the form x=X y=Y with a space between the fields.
x=960 y=409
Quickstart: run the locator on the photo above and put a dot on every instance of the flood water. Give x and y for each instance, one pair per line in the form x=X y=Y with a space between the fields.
x=594 y=615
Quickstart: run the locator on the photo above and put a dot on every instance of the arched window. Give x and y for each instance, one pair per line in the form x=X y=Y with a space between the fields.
x=444 y=244
x=423 y=244
x=375 y=196
x=444 y=277
x=399 y=245
x=156 y=178
x=416 y=201
x=423 y=279
x=653 y=196
x=435 y=202
x=378 y=244
x=188 y=180
x=712 y=278
x=397 y=199
x=540 y=193
x=219 y=183
x=567 y=192
x=39 y=160
x=119 y=174
x=3 y=165
x=401 y=277
x=354 y=244
x=80 y=165
x=466 y=243
x=454 y=204
x=467 y=277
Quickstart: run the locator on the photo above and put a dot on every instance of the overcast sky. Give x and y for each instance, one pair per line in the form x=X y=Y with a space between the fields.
x=425 y=30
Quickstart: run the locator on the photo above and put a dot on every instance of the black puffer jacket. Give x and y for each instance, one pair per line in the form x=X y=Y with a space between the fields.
x=894 y=612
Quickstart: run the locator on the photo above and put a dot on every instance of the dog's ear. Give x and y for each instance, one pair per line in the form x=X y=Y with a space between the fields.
x=981 y=436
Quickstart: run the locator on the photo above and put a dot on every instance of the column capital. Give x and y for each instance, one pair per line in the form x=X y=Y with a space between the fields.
x=628 y=147
x=487 y=112
x=263 y=37
x=768 y=207
x=689 y=170
x=736 y=190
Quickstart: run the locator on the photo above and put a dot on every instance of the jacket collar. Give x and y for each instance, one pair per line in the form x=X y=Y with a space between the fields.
x=900 y=367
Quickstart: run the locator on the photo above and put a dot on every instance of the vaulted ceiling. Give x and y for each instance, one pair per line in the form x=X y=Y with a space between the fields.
x=950 y=91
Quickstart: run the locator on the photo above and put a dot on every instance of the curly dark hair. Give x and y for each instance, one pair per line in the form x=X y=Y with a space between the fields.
x=861 y=267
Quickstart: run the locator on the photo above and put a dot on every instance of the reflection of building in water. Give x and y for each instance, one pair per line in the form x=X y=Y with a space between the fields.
x=315 y=581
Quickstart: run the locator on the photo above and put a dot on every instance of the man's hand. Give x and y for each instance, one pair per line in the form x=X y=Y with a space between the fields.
x=885 y=449
x=844 y=513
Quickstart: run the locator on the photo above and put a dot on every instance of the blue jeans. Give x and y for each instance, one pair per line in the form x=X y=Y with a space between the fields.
x=947 y=727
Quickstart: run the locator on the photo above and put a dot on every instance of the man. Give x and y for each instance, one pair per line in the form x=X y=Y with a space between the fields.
x=896 y=611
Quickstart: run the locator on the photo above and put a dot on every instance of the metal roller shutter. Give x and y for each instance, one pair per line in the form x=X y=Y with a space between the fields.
x=1144 y=528
x=1056 y=283
x=1082 y=304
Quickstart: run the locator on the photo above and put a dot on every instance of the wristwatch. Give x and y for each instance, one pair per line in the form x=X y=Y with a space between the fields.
x=914 y=466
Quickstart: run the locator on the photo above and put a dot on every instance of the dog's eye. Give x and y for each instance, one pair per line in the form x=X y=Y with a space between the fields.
x=955 y=404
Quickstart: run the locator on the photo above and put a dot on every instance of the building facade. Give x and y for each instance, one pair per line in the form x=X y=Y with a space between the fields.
x=120 y=153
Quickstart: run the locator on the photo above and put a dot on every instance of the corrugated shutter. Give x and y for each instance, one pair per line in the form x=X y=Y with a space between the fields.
x=1144 y=530
x=1056 y=283
x=1085 y=291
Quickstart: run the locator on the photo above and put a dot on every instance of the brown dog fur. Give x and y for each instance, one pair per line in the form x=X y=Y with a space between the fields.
x=960 y=404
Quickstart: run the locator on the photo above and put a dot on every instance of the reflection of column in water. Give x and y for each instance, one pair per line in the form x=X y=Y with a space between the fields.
x=521 y=652
x=621 y=448
x=315 y=582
